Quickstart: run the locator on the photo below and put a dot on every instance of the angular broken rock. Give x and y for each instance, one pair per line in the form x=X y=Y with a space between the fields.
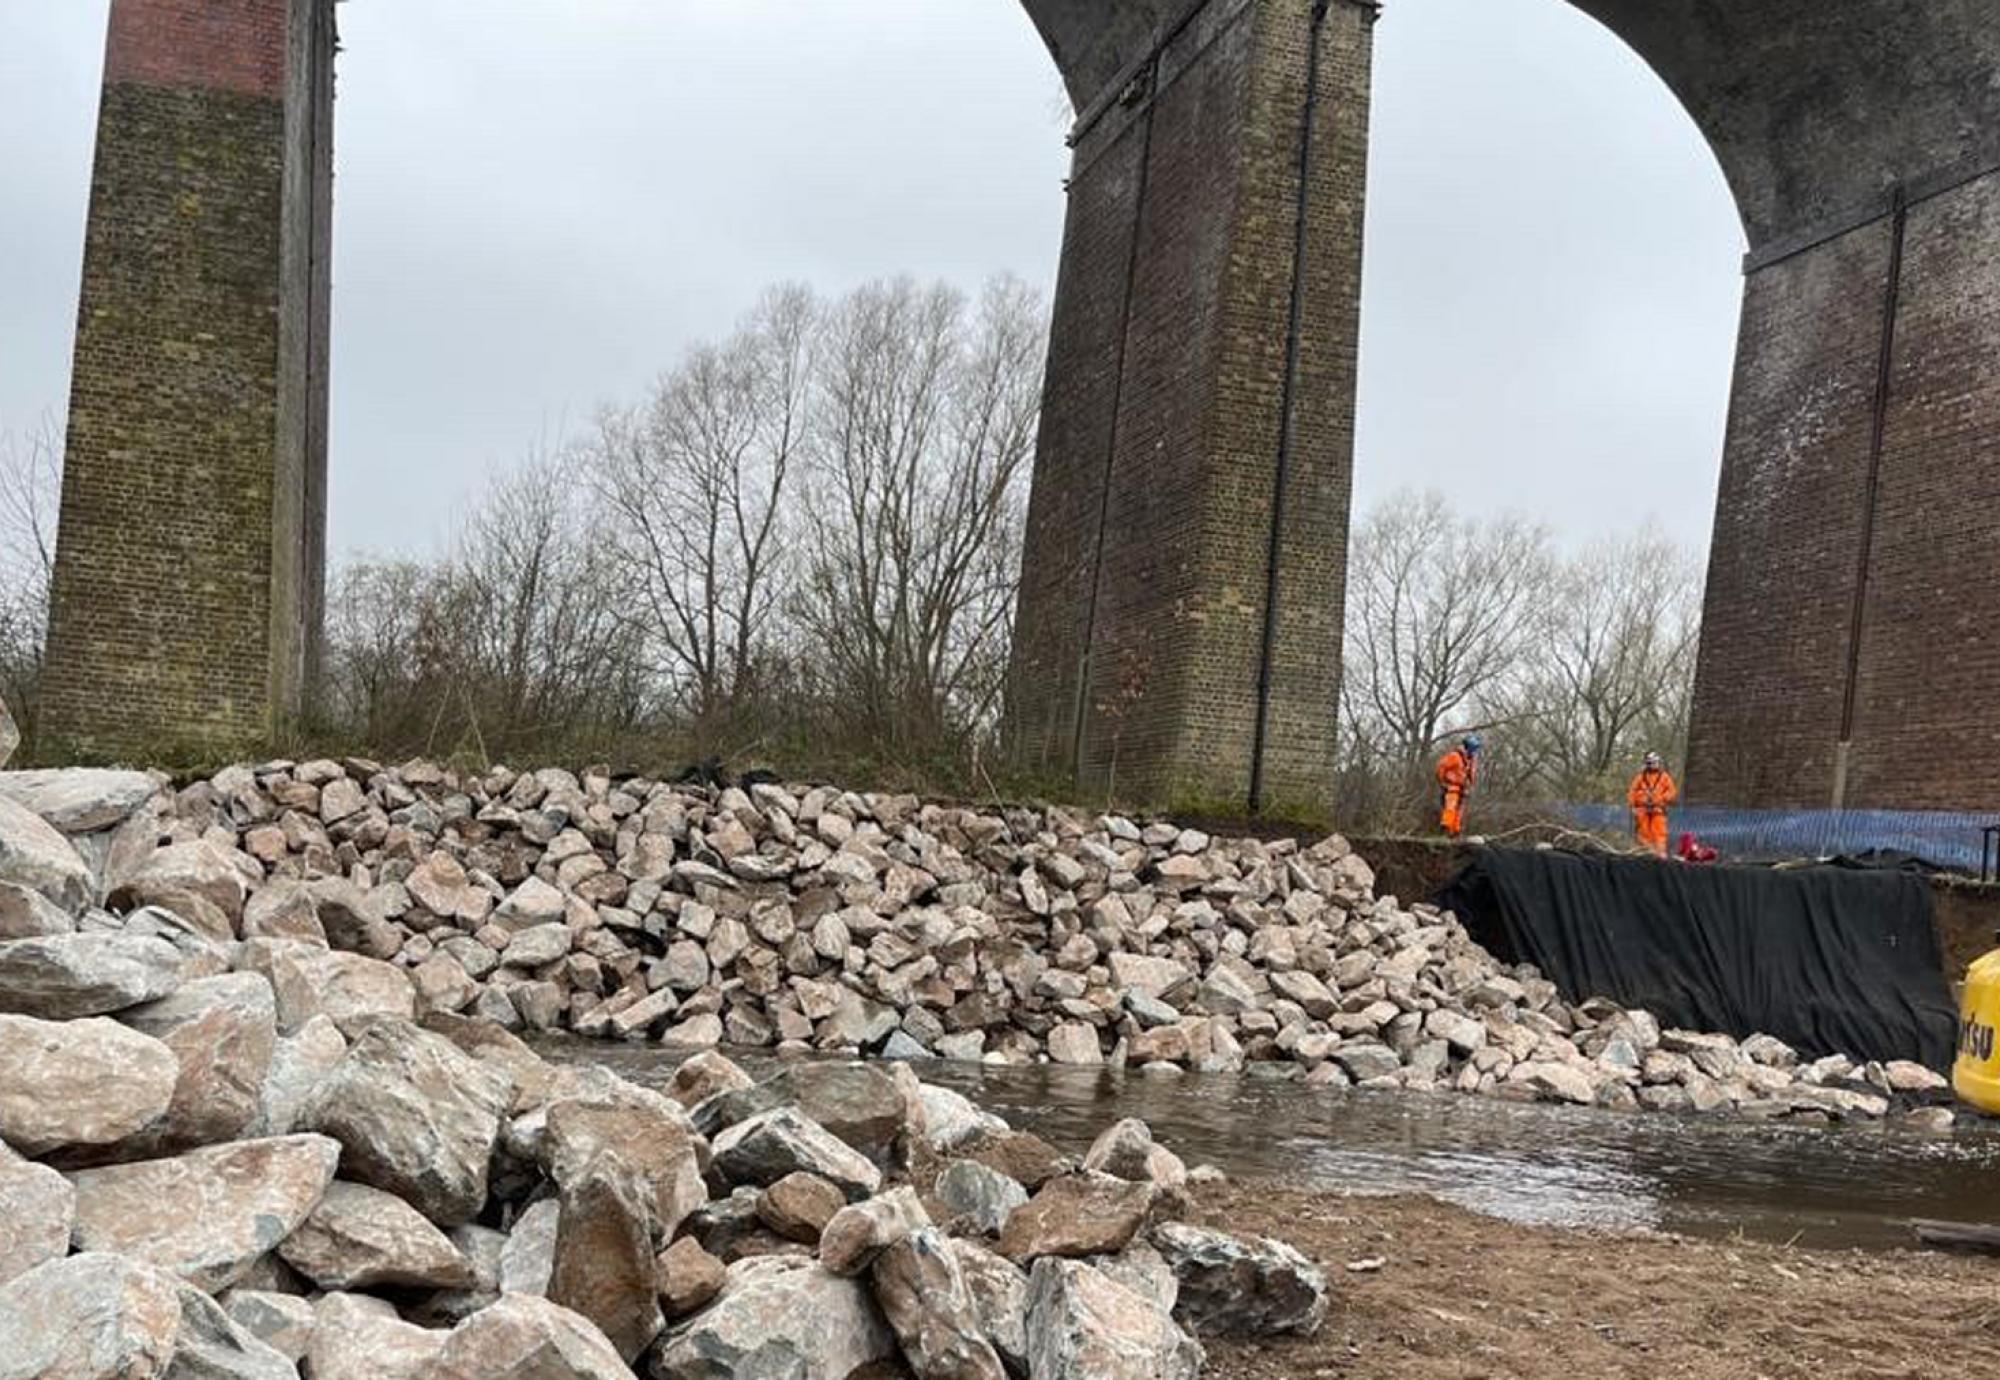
x=62 y=977
x=689 y=1277
x=999 y=1291
x=1126 y=1150
x=206 y=1216
x=779 y=1317
x=1232 y=1286
x=222 y=1030
x=979 y=1196
x=299 y=1063
x=34 y=855
x=178 y=871
x=529 y=1257
x=283 y=909
x=798 y=1207
x=416 y=1117
x=79 y=800
x=951 y=1118
x=38 y=1209
x=355 y=1337
x=1084 y=1326
x=27 y=914
x=603 y=1266
x=930 y=1307
x=864 y=1105
x=362 y=1238
x=283 y=1322
x=1077 y=1215
x=211 y=1345
x=526 y=1338
x=83 y=1083
x=765 y=1148
x=858 y=1233
x=91 y=1317
x=701 y=1076
x=660 y=1153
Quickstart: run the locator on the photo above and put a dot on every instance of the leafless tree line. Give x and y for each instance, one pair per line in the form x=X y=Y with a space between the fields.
x=30 y=490
x=802 y=543
x=1571 y=666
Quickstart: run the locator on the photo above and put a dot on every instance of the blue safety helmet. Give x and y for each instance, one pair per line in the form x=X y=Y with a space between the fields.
x=1472 y=743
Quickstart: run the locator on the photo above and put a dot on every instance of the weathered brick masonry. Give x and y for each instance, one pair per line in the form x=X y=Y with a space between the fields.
x=191 y=557
x=1174 y=361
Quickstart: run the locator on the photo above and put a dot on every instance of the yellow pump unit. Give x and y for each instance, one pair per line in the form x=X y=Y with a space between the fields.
x=1976 y=1075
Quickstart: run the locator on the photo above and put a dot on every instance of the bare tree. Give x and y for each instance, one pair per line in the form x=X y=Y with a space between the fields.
x=693 y=487
x=925 y=425
x=30 y=495
x=1614 y=667
x=1439 y=609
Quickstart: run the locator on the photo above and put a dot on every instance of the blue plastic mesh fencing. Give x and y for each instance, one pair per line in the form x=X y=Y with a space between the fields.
x=1955 y=842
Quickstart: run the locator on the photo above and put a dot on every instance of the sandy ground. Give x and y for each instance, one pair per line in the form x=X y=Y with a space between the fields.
x=1470 y=1298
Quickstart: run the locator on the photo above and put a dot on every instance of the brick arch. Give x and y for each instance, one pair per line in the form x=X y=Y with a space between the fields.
x=1183 y=583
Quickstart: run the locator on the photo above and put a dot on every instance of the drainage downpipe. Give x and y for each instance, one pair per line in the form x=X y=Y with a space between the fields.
x=1294 y=326
x=1892 y=295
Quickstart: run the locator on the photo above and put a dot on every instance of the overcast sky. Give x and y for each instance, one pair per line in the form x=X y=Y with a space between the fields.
x=540 y=206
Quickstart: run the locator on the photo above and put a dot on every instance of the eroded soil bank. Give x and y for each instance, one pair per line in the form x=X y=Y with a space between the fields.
x=1460 y=1296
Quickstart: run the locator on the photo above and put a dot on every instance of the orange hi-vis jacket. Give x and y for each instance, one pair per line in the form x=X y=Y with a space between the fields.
x=1651 y=792
x=1456 y=771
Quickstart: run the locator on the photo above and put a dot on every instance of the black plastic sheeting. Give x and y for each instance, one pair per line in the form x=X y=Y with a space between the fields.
x=1829 y=960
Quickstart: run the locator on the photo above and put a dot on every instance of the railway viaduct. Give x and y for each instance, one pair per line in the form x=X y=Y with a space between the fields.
x=1182 y=599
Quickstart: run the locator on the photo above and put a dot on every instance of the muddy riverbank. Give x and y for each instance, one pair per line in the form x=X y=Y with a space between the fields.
x=1460 y=1296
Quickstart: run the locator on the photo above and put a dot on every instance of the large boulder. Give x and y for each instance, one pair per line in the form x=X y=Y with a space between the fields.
x=38 y=1207
x=1084 y=1326
x=283 y=1322
x=859 y=1232
x=211 y=1345
x=1230 y=1286
x=209 y=1215
x=779 y=1318
x=27 y=914
x=90 y=1317
x=528 y=1258
x=1126 y=1150
x=362 y=1238
x=80 y=800
x=603 y=1267
x=299 y=1064
x=999 y=1291
x=978 y=1196
x=951 y=1119
x=63 y=977
x=765 y=1148
x=197 y=869
x=222 y=1030
x=1077 y=1215
x=283 y=909
x=88 y=1083
x=930 y=1307
x=525 y=1338
x=689 y=1277
x=659 y=1153
x=415 y=1116
x=355 y=1337
x=34 y=855
x=346 y=988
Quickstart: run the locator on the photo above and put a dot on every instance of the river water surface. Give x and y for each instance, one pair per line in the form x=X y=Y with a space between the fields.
x=1562 y=1166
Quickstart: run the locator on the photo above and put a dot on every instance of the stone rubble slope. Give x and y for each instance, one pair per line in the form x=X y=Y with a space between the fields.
x=254 y=1159
x=875 y=924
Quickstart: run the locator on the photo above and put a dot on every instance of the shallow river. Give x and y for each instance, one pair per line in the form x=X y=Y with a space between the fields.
x=1846 y=1186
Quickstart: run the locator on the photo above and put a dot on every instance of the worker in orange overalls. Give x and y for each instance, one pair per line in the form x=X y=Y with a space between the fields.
x=1652 y=791
x=1457 y=770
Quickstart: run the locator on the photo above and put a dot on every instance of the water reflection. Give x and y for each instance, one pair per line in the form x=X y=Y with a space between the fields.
x=1568 y=1166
